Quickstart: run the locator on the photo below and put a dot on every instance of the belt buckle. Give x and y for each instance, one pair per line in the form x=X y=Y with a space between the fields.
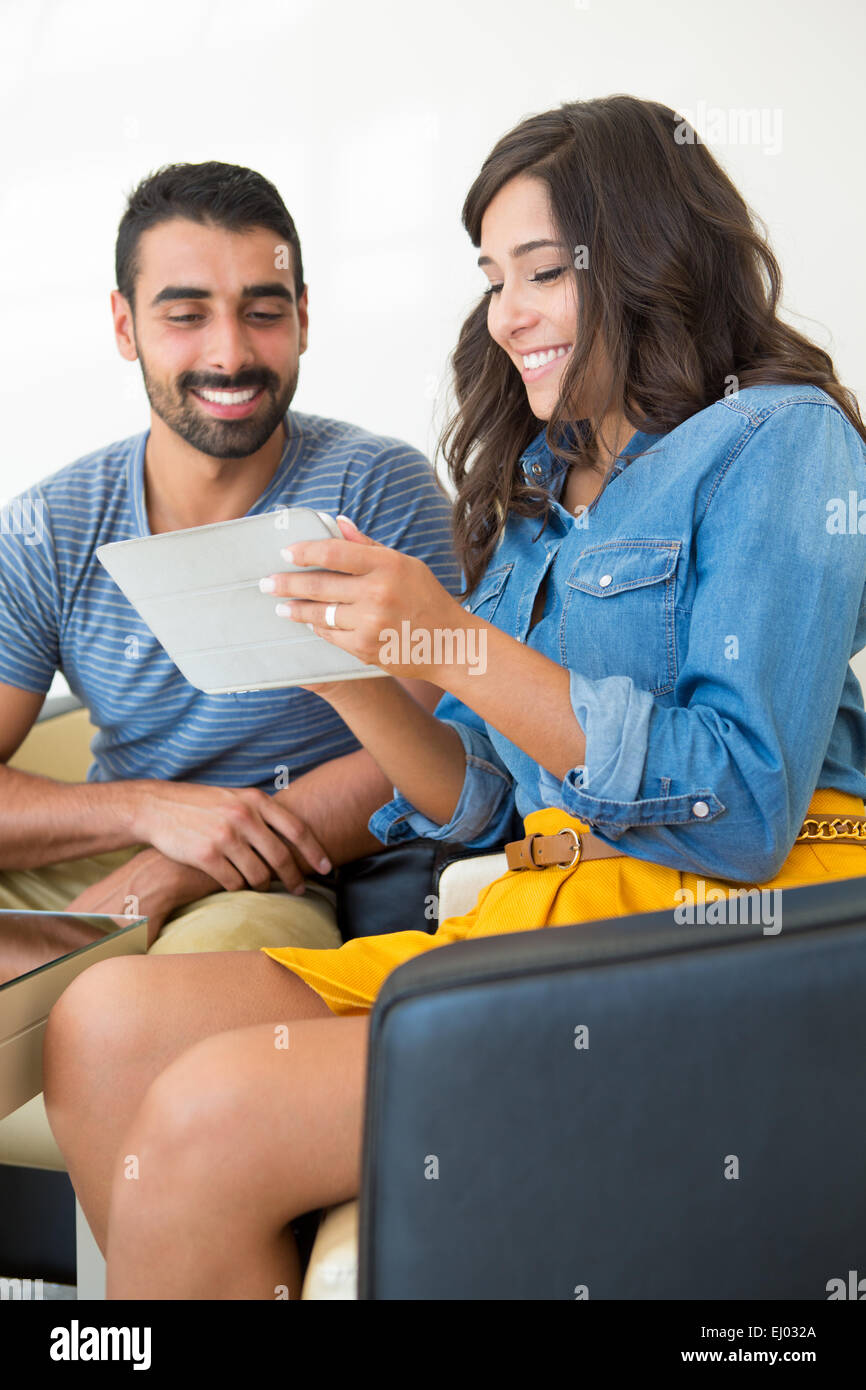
x=567 y=830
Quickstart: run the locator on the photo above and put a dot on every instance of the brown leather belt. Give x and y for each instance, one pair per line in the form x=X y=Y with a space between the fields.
x=566 y=848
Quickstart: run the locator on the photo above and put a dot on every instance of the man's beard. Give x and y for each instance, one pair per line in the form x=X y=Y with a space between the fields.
x=221 y=439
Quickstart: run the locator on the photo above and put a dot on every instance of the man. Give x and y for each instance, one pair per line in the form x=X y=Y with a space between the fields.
x=195 y=802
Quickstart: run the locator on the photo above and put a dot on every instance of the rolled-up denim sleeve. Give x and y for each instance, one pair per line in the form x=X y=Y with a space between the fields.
x=484 y=813
x=719 y=781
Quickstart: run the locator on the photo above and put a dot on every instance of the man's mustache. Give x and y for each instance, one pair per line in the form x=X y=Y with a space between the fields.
x=243 y=381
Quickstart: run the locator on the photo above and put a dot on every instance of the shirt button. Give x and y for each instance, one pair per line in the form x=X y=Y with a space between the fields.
x=700 y=808
x=605 y=580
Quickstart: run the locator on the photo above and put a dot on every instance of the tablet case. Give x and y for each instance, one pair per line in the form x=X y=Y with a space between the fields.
x=198 y=591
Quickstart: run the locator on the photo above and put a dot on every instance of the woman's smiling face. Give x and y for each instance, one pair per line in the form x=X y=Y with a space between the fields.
x=532 y=305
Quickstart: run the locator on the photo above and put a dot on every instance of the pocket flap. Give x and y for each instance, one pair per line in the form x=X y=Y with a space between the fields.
x=604 y=570
x=490 y=585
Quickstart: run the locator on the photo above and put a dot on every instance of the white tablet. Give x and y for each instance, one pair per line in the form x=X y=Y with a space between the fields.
x=198 y=591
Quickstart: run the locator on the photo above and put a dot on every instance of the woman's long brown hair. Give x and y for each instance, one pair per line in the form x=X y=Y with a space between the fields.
x=681 y=290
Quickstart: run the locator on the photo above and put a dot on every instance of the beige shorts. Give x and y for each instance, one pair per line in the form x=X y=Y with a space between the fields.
x=241 y=921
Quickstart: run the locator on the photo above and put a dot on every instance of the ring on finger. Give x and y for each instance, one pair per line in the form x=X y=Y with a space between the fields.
x=331 y=615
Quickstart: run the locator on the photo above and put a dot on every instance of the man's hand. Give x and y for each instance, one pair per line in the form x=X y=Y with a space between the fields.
x=148 y=885
x=238 y=836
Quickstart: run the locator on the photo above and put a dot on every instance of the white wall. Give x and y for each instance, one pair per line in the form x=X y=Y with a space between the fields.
x=372 y=119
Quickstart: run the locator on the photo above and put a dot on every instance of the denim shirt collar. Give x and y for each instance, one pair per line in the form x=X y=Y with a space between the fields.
x=541 y=469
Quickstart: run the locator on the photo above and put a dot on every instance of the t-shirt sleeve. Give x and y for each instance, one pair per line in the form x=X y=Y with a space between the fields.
x=29 y=596
x=394 y=498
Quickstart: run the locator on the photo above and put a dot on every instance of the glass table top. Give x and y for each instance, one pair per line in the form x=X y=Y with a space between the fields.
x=31 y=941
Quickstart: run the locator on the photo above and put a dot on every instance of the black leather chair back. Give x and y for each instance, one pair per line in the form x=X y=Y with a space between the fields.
x=703 y=1138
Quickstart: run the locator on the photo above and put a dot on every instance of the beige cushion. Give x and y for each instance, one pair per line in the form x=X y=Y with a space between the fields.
x=333 y=1269
x=462 y=881
x=26 y=1140
x=58 y=747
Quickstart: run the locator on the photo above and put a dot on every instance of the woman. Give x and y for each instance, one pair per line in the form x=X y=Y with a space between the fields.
x=662 y=604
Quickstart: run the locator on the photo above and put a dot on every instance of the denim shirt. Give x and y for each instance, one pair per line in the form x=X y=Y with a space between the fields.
x=706 y=607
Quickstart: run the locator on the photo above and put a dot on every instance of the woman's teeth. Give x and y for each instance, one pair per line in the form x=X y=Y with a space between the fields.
x=540 y=359
x=229 y=397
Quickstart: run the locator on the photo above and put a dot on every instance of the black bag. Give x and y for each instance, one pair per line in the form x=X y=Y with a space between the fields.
x=396 y=889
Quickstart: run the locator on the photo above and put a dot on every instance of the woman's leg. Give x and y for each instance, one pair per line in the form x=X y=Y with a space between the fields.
x=240 y=1134
x=121 y=1022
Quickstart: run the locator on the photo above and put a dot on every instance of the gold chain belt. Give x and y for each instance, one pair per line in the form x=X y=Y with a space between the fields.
x=824 y=828
x=564 y=849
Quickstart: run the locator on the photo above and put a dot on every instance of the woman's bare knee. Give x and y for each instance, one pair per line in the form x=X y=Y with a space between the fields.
x=122 y=1021
x=182 y=1138
x=94 y=1020
x=297 y=1102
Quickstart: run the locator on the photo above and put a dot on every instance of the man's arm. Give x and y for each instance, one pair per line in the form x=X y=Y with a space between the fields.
x=19 y=710
x=238 y=836
x=338 y=798
x=41 y=820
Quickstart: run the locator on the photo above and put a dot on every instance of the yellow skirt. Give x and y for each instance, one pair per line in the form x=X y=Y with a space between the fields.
x=349 y=977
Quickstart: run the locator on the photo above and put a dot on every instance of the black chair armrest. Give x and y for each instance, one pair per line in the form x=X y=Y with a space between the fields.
x=705 y=1138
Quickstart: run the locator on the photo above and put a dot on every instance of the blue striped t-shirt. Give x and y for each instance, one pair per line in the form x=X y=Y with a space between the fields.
x=60 y=610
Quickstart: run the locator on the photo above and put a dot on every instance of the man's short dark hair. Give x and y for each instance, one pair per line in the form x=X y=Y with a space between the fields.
x=224 y=195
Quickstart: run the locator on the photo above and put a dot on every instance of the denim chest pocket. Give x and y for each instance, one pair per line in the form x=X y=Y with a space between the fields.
x=619 y=612
x=485 y=597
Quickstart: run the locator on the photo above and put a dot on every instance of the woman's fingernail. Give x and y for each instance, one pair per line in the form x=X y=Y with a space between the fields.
x=287 y=555
x=324 y=866
x=301 y=888
x=267 y=586
x=283 y=610
x=345 y=518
